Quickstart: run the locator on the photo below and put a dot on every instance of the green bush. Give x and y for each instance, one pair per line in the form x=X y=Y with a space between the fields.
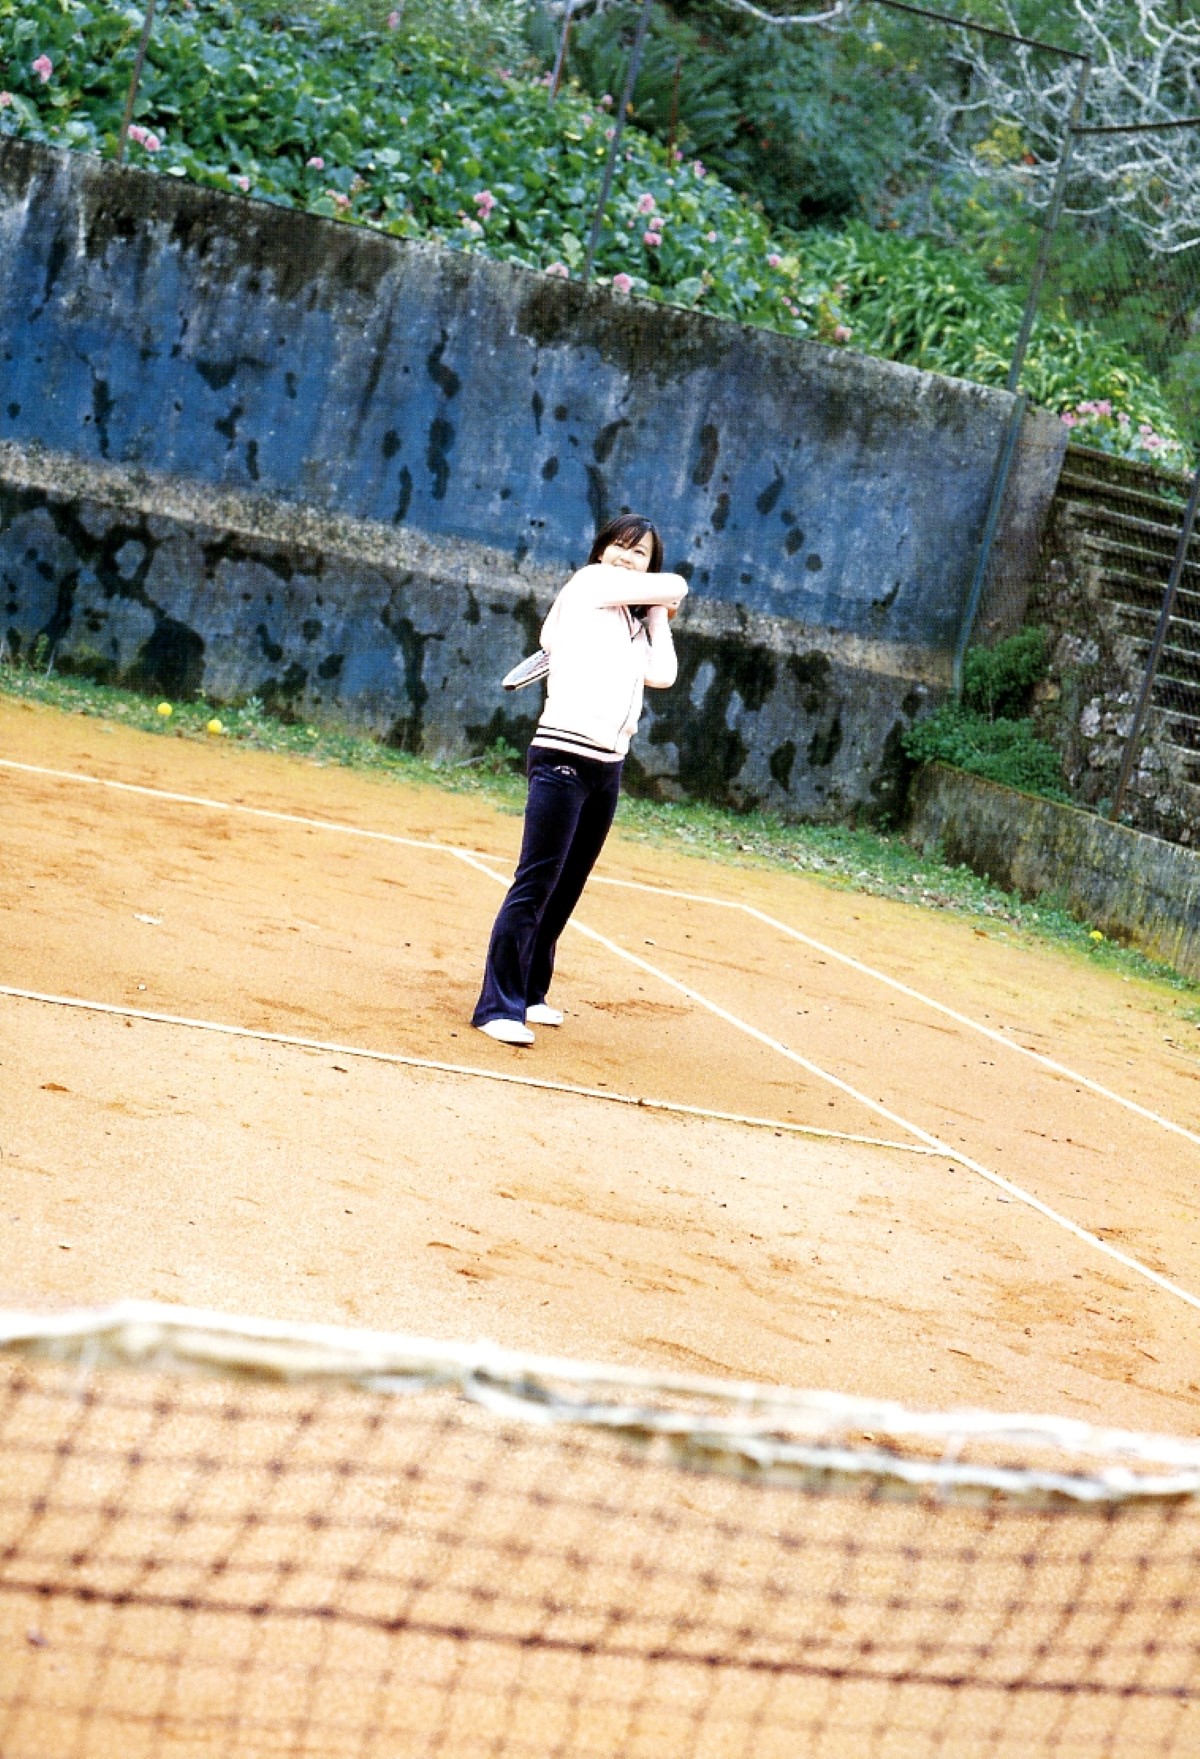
x=997 y=680
x=767 y=109
x=1002 y=750
x=987 y=734
x=396 y=129
x=934 y=307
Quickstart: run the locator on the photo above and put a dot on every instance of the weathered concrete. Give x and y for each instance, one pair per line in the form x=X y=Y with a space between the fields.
x=120 y=575
x=282 y=379
x=1133 y=887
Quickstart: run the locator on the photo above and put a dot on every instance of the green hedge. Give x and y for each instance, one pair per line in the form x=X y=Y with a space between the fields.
x=986 y=733
x=386 y=128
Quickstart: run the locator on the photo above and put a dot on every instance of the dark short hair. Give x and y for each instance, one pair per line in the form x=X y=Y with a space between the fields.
x=626 y=530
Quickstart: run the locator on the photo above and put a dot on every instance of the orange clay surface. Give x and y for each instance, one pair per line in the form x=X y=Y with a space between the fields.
x=159 y=1160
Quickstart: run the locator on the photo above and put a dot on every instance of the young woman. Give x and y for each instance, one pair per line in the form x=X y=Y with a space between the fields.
x=608 y=634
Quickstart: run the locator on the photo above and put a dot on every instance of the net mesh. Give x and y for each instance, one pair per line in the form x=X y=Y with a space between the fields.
x=335 y=1545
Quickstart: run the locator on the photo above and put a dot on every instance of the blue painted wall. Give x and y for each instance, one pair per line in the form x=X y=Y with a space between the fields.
x=146 y=322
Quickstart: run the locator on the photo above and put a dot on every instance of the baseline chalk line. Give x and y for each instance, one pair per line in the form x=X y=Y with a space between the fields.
x=293 y=1041
x=914 y=995
x=1062 y=1070
x=1014 y=1191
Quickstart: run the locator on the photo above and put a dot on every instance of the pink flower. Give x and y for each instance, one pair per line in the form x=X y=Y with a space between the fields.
x=606 y=102
x=547 y=79
x=610 y=134
x=485 y=201
x=316 y=163
x=338 y=199
x=137 y=133
x=559 y=269
x=622 y=283
x=645 y=204
x=152 y=144
x=677 y=155
x=43 y=67
x=711 y=237
x=841 y=332
x=393 y=21
x=774 y=260
x=652 y=240
x=697 y=168
x=1104 y=406
x=5 y=100
x=1122 y=419
x=243 y=183
x=1069 y=418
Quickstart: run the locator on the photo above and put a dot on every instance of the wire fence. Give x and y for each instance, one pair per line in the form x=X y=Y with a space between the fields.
x=229 y=1537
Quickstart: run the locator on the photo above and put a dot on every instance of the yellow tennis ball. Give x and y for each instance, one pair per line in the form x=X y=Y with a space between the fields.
x=165 y=710
x=214 y=726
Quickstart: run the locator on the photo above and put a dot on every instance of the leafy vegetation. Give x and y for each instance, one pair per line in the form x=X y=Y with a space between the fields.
x=986 y=733
x=861 y=860
x=355 y=114
x=766 y=109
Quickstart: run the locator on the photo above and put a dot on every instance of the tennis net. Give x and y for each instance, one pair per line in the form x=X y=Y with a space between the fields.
x=230 y=1537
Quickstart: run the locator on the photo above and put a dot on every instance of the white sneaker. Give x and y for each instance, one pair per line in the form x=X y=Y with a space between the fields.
x=507 y=1031
x=542 y=1014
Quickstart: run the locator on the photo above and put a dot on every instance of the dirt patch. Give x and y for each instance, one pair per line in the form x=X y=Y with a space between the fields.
x=149 y=1159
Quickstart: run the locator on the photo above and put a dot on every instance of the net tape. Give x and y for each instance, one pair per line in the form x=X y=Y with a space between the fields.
x=814 y=1440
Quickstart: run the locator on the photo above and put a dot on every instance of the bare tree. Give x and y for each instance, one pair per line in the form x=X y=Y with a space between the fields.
x=1008 y=117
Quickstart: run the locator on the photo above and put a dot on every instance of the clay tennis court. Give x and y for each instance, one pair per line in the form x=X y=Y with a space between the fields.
x=788 y=1132
x=839 y=1244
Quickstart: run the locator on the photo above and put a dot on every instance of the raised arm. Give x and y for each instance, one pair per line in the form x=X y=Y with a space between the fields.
x=604 y=584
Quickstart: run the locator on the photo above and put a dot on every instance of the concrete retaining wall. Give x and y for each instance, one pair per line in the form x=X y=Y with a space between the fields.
x=206 y=400
x=1133 y=887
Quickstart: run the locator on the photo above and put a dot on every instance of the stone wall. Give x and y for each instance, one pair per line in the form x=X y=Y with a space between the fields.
x=244 y=449
x=1098 y=588
x=1131 y=886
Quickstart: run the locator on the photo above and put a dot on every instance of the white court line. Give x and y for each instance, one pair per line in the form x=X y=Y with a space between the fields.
x=905 y=989
x=847 y=959
x=1016 y=1192
x=778 y=1125
x=479 y=864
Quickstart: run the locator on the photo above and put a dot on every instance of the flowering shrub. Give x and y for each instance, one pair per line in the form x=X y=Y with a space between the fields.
x=1094 y=422
x=389 y=129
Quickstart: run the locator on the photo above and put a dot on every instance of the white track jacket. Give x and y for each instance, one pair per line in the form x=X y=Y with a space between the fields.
x=601 y=656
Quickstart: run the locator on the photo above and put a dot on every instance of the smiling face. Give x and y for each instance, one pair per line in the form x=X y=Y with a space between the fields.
x=636 y=557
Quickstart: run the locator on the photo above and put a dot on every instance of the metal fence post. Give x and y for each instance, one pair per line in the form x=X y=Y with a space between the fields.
x=135 y=79
x=560 y=60
x=1008 y=446
x=635 y=60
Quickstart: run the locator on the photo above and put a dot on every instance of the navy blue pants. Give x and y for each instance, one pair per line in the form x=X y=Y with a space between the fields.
x=568 y=814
